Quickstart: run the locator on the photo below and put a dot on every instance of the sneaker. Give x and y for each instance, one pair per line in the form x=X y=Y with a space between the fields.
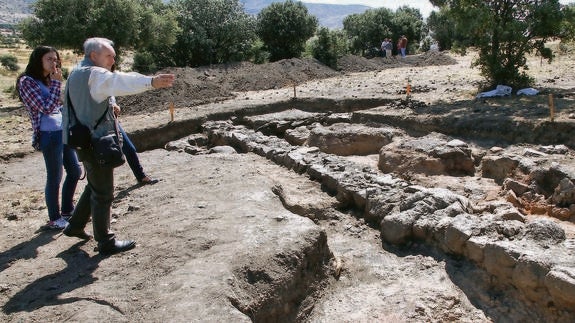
x=66 y=216
x=57 y=224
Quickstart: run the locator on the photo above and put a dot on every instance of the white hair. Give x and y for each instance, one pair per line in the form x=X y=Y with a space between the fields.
x=95 y=44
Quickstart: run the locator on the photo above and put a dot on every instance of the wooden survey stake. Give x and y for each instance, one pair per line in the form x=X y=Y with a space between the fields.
x=171 y=111
x=551 y=108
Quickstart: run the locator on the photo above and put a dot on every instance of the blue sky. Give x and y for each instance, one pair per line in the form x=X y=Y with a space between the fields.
x=424 y=6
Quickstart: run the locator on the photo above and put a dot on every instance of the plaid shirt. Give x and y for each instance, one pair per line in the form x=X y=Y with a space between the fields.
x=36 y=104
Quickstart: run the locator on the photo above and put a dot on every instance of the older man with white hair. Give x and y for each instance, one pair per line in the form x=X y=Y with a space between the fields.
x=88 y=89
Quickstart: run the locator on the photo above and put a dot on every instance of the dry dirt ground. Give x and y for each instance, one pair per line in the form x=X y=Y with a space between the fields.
x=213 y=220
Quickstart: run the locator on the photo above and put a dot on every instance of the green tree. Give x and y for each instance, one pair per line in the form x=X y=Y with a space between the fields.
x=257 y=54
x=408 y=22
x=367 y=30
x=568 y=23
x=67 y=23
x=328 y=46
x=157 y=25
x=504 y=32
x=284 y=27
x=441 y=28
x=144 y=62
x=213 y=31
x=157 y=36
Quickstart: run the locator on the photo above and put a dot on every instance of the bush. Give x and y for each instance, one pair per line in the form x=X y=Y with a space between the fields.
x=328 y=46
x=324 y=48
x=144 y=63
x=257 y=54
x=284 y=28
x=10 y=62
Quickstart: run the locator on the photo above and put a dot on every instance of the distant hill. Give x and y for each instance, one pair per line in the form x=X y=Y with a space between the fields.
x=328 y=15
x=331 y=16
x=12 y=11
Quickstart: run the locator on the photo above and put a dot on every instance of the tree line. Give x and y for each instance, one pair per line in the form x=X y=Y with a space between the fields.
x=191 y=33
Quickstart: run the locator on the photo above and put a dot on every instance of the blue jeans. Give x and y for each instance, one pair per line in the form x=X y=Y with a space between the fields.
x=129 y=151
x=56 y=155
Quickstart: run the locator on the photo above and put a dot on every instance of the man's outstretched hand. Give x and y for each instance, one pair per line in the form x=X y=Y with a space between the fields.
x=163 y=80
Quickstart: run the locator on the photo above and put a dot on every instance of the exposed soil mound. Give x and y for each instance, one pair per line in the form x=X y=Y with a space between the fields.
x=191 y=88
x=201 y=85
x=195 y=86
x=252 y=77
x=352 y=63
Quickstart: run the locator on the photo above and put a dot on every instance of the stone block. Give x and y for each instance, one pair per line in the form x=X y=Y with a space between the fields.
x=528 y=276
x=500 y=260
x=560 y=282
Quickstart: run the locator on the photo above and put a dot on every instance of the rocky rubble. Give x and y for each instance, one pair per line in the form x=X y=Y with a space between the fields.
x=533 y=257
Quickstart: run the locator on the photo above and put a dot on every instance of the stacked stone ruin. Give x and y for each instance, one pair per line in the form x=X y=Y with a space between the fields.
x=533 y=257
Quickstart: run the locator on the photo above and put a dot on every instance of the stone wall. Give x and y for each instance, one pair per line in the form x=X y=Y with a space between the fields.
x=533 y=257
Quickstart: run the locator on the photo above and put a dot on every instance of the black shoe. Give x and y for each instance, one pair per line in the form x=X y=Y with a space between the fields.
x=78 y=233
x=116 y=246
x=148 y=181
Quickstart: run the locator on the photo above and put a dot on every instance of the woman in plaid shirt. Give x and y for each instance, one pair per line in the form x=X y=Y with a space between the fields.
x=39 y=90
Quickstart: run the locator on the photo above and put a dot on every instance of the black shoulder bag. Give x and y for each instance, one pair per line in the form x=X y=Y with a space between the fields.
x=107 y=150
x=79 y=136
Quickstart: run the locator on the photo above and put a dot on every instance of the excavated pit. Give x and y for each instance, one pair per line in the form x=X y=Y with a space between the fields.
x=504 y=209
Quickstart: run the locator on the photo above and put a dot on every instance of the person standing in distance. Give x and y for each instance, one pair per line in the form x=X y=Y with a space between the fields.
x=402 y=45
x=88 y=89
x=388 y=47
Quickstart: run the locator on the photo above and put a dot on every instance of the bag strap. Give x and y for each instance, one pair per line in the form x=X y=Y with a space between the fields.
x=71 y=107
x=74 y=112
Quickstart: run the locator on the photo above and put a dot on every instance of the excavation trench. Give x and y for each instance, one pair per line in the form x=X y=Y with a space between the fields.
x=498 y=263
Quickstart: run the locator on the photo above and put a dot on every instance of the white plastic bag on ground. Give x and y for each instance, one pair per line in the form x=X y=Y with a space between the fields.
x=528 y=91
x=500 y=90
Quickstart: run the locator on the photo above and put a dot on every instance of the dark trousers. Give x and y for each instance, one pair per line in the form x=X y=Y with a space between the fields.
x=129 y=151
x=96 y=200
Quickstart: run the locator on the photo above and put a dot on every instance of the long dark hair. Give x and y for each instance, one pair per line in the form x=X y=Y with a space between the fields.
x=35 y=69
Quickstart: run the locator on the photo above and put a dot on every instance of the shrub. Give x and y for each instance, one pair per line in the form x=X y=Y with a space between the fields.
x=257 y=54
x=10 y=62
x=328 y=46
x=144 y=63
